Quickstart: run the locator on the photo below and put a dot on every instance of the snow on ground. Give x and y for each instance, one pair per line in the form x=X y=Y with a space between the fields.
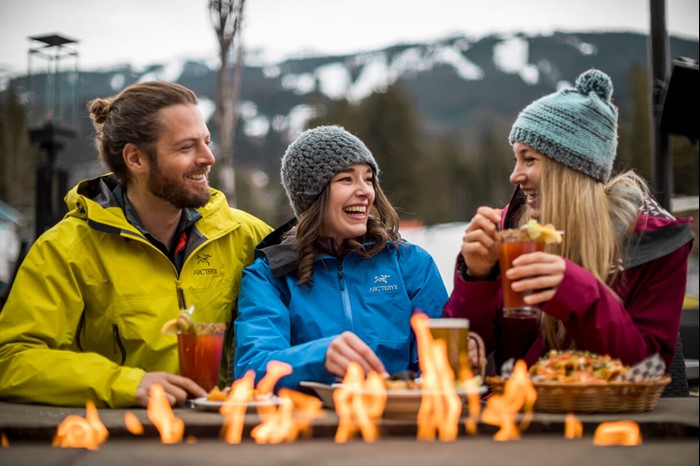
x=442 y=241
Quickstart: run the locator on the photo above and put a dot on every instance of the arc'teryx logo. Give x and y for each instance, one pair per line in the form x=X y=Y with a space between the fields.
x=381 y=278
x=203 y=259
x=384 y=284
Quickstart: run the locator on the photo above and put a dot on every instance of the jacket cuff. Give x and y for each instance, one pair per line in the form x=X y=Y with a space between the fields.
x=464 y=272
x=123 y=390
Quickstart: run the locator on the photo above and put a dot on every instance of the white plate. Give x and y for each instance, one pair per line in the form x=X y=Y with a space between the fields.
x=399 y=402
x=251 y=406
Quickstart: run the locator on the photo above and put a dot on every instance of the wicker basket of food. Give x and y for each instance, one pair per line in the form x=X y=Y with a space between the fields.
x=582 y=382
x=610 y=397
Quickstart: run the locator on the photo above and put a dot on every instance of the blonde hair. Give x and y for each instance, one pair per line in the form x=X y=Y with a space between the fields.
x=576 y=203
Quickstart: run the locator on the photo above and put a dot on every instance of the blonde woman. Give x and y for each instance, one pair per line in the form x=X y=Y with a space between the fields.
x=616 y=284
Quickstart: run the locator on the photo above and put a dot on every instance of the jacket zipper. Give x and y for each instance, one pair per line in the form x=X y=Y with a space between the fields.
x=181 y=301
x=347 y=308
x=117 y=344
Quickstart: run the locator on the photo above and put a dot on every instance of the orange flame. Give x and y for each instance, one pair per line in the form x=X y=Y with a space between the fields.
x=440 y=406
x=573 y=428
x=294 y=415
x=625 y=433
x=275 y=371
x=277 y=425
x=4 y=443
x=234 y=407
x=160 y=413
x=306 y=409
x=133 y=425
x=466 y=378
x=518 y=393
x=78 y=432
x=498 y=412
x=359 y=404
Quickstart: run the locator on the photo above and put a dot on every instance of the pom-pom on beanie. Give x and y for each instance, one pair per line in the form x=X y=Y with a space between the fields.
x=577 y=127
x=314 y=158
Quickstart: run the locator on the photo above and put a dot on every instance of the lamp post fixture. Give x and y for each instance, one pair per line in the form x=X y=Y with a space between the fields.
x=52 y=82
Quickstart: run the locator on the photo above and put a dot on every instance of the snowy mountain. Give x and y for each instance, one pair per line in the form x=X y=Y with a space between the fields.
x=453 y=82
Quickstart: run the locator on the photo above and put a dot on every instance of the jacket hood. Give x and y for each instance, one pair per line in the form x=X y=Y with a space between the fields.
x=279 y=251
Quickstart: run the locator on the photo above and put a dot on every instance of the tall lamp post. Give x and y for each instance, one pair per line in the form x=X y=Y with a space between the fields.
x=52 y=82
x=662 y=166
x=674 y=96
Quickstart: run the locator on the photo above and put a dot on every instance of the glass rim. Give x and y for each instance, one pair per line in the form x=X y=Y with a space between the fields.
x=448 y=322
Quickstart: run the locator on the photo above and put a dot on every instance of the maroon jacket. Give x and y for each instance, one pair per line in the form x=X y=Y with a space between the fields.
x=642 y=322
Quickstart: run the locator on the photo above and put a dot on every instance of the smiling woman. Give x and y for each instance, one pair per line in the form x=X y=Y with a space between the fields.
x=615 y=284
x=337 y=284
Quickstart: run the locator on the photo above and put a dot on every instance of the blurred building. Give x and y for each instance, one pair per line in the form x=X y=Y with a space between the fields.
x=11 y=222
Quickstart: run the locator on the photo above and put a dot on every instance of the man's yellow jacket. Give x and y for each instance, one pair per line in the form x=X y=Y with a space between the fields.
x=83 y=320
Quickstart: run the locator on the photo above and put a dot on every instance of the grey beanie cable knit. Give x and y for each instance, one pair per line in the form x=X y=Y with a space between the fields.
x=315 y=157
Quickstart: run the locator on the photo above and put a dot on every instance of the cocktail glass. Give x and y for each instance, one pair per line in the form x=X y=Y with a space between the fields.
x=200 y=354
x=512 y=244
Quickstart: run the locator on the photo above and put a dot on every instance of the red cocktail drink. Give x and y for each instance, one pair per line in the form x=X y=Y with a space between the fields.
x=514 y=243
x=200 y=356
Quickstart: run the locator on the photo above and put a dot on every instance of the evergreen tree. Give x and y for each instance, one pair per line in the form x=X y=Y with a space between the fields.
x=390 y=127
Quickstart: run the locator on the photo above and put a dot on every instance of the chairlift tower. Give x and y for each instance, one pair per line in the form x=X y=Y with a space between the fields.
x=52 y=85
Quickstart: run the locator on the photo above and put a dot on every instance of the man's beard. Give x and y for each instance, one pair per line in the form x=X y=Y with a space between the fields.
x=175 y=191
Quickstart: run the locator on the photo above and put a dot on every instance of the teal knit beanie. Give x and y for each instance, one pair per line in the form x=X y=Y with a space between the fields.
x=315 y=157
x=577 y=127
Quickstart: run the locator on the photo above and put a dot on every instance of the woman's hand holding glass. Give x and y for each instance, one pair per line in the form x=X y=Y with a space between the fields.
x=539 y=272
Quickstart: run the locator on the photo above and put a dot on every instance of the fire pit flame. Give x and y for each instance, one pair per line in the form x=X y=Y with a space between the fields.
x=78 y=432
x=170 y=427
x=234 y=407
x=573 y=428
x=359 y=404
x=440 y=406
x=518 y=393
x=277 y=426
x=133 y=425
x=625 y=433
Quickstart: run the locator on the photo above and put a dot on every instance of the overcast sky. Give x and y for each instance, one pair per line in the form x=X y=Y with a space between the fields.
x=154 y=31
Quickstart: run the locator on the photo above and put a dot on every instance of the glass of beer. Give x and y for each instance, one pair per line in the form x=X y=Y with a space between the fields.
x=455 y=334
x=512 y=244
x=200 y=354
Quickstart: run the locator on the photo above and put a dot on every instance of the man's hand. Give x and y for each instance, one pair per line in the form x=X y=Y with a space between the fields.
x=176 y=388
x=348 y=347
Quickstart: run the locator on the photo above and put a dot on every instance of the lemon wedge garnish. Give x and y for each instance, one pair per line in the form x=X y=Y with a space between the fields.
x=182 y=324
x=547 y=233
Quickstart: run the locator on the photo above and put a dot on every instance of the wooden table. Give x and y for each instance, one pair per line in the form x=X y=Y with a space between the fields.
x=670 y=436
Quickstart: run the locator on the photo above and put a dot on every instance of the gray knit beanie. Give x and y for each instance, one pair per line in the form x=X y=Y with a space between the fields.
x=314 y=158
x=577 y=127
